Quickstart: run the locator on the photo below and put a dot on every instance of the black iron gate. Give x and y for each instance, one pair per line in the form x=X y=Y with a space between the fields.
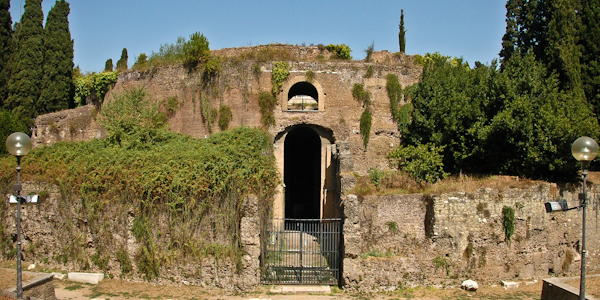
x=301 y=251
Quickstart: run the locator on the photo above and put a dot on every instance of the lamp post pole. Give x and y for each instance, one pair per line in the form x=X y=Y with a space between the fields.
x=18 y=144
x=17 y=188
x=583 y=251
x=584 y=149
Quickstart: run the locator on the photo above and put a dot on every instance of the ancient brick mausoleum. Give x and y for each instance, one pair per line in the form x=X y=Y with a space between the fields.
x=386 y=241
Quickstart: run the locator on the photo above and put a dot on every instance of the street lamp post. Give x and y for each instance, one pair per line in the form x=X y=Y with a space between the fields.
x=584 y=149
x=18 y=144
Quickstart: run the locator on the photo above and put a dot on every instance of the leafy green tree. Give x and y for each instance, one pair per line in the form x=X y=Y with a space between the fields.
x=423 y=162
x=516 y=121
x=5 y=48
x=57 y=83
x=369 y=51
x=122 y=62
x=28 y=60
x=195 y=50
x=108 y=66
x=402 y=33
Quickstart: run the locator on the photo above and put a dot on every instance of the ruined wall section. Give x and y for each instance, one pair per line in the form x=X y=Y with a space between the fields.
x=239 y=85
x=403 y=240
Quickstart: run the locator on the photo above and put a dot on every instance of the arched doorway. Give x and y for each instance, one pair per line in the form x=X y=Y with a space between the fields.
x=302 y=174
x=301 y=242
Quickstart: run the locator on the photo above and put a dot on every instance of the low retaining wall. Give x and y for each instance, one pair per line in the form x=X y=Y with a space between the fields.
x=406 y=240
x=555 y=288
x=40 y=287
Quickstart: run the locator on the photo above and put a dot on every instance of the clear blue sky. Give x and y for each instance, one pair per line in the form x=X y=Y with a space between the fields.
x=471 y=29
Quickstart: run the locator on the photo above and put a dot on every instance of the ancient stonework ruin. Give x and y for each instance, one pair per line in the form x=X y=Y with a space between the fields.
x=387 y=241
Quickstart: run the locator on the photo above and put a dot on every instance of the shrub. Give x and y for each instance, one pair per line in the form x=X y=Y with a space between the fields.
x=93 y=87
x=267 y=103
x=421 y=162
x=508 y=221
x=369 y=72
x=140 y=62
x=195 y=50
x=366 y=119
x=369 y=51
x=225 y=117
x=281 y=71
x=340 y=51
x=310 y=76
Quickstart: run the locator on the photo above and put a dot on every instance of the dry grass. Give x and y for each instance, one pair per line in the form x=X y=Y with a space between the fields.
x=394 y=182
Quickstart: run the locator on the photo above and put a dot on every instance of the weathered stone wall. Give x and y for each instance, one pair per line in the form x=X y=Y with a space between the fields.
x=60 y=233
x=393 y=241
x=77 y=124
x=238 y=86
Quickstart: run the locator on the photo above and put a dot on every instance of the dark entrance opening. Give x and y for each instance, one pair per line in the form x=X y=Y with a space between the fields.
x=302 y=174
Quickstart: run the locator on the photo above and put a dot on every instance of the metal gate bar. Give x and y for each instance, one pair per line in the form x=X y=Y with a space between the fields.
x=301 y=251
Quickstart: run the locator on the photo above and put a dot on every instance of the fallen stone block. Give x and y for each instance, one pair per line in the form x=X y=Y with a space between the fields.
x=509 y=285
x=91 y=278
x=469 y=285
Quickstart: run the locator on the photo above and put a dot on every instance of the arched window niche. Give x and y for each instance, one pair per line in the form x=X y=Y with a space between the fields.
x=300 y=95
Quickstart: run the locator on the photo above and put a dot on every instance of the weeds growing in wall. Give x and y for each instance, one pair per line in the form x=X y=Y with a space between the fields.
x=184 y=194
x=281 y=71
x=508 y=221
x=363 y=96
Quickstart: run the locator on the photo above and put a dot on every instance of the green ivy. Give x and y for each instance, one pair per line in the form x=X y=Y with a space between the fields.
x=508 y=221
x=267 y=103
x=225 y=117
x=366 y=119
x=281 y=71
x=93 y=85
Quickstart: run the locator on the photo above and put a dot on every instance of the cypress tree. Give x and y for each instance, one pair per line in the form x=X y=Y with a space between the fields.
x=590 y=51
x=57 y=83
x=561 y=52
x=402 y=33
x=27 y=67
x=108 y=66
x=122 y=62
x=5 y=49
x=510 y=38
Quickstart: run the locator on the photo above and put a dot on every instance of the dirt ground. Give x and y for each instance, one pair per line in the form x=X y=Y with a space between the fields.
x=116 y=289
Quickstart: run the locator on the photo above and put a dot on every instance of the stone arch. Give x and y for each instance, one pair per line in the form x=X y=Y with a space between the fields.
x=298 y=90
x=307 y=169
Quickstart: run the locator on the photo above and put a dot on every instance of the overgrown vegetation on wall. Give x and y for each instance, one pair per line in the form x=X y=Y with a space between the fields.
x=185 y=195
x=363 y=96
x=93 y=87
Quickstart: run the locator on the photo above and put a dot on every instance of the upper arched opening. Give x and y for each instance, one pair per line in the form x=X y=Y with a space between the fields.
x=301 y=95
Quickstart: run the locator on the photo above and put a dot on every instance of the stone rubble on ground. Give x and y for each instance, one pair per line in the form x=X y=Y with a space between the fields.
x=509 y=285
x=469 y=285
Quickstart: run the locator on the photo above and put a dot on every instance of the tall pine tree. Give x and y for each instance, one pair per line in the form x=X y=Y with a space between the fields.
x=402 y=33
x=27 y=67
x=5 y=49
x=57 y=83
